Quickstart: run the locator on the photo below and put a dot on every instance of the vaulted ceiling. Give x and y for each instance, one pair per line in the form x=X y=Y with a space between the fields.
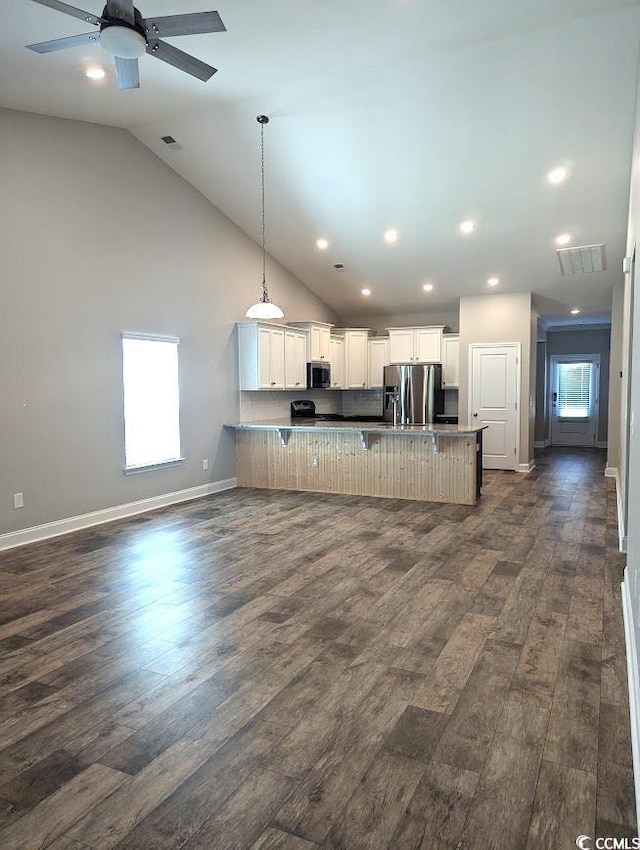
x=406 y=114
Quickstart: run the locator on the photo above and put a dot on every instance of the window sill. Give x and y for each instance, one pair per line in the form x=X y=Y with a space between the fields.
x=150 y=467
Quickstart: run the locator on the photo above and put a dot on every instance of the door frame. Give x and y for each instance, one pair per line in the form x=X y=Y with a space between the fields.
x=574 y=358
x=518 y=349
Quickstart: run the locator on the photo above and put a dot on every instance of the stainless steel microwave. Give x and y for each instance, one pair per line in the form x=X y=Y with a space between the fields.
x=318 y=376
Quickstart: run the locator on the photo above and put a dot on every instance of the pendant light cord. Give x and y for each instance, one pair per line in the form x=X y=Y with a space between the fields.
x=265 y=294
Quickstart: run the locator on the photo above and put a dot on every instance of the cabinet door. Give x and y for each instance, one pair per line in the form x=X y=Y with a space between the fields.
x=264 y=358
x=401 y=346
x=356 y=359
x=450 y=360
x=276 y=360
x=295 y=355
x=336 y=358
x=428 y=345
x=378 y=359
x=320 y=343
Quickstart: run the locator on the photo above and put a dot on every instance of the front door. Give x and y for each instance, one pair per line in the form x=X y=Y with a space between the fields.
x=574 y=399
x=493 y=394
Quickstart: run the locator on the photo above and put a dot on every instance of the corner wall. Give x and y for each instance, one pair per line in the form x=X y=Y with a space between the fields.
x=496 y=319
x=98 y=236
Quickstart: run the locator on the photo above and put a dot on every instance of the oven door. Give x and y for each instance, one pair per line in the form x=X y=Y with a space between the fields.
x=318 y=376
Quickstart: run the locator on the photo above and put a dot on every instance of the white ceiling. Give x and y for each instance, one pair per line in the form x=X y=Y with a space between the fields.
x=413 y=114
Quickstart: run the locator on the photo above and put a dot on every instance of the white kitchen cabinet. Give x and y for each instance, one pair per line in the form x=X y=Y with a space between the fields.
x=295 y=360
x=416 y=345
x=336 y=358
x=319 y=339
x=378 y=359
x=356 y=358
x=450 y=360
x=261 y=356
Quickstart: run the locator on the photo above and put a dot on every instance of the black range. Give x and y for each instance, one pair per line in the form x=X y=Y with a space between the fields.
x=306 y=409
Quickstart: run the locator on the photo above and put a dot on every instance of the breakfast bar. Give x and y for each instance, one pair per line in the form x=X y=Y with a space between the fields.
x=434 y=463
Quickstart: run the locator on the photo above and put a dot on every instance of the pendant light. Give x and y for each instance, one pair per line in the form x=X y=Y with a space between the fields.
x=264 y=308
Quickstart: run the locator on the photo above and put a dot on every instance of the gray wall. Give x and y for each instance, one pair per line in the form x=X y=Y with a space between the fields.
x=392 y=320
x=542 y=419
x=585 y=342
x=98 y=236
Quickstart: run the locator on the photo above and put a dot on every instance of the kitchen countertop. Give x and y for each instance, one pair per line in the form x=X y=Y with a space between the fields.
x=433 y=429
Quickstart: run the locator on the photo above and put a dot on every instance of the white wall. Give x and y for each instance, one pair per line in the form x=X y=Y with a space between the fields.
x=98 y=236
x=392 y=320
x=502 y=318
x=615 y=378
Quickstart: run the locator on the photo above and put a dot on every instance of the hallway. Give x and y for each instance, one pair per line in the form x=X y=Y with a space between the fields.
x=291 y=670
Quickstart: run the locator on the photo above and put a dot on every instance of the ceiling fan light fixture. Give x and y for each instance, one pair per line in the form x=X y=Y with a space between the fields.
x=264 y=308
x=123 y=41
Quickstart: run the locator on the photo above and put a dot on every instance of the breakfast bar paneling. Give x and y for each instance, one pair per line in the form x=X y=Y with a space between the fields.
x=401 y=466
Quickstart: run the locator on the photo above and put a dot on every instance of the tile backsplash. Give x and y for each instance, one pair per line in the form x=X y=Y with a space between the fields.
x=263 y=404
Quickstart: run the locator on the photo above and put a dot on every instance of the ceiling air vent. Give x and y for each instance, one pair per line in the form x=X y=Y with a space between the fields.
x=172 y=143
x=582 y=260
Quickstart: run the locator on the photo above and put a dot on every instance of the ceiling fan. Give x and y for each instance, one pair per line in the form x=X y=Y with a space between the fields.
x=126 y=35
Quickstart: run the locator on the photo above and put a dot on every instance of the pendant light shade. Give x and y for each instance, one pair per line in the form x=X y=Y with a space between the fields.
x=264 y=308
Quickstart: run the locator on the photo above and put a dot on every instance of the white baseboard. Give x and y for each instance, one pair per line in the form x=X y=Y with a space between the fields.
x=526 y=467
x=632 y=679
x=541 y=444
x=613 y=472
x=75 y=523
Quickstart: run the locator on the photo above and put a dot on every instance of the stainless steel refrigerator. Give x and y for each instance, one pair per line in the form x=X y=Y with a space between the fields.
x=413 y=395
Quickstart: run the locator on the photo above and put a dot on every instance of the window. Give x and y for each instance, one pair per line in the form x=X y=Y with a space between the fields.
x=575 y=383
x=151 y=400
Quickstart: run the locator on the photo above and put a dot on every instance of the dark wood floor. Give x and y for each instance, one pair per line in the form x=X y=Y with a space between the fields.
x=287 y=670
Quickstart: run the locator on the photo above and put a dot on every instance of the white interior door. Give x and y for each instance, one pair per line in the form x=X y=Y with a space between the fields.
x=574 y=400
x=493 y=395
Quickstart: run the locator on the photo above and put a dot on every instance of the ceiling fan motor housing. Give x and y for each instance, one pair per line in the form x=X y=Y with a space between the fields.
x=120 y=38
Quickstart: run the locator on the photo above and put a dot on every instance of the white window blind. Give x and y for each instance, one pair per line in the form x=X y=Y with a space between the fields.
x=575 y=383
x=151 y=400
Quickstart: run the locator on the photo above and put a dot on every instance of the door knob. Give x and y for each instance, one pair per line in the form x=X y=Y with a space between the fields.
x=475 y=415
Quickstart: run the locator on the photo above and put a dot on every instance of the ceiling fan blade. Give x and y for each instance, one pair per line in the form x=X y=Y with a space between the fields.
x=70 y=10
x=63 y=43
x=121 y=9
x=128 y=73
x=192 y=24
x=172 y=56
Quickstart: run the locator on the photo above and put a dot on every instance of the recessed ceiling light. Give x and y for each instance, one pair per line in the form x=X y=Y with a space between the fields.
x=95 y=73
x=391 y=236
x=467 y=227
x=563 y=239
x=575 y=311
x=365 y=291
x=558 y=175
x=493 y=281
x=322 y=244
x=428 y=287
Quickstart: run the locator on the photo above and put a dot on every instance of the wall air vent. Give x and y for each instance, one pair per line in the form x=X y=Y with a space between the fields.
x=582 y=260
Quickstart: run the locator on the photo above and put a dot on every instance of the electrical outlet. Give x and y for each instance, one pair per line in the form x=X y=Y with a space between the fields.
x=18 y=500
x=205 y=464
x=314 y=461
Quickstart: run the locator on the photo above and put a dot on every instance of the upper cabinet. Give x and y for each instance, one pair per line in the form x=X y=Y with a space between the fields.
x=356 y=357
x=336 y=358
x=295 y=359
x=261 y=356
x=378 y=359
x=415 y=345
x=450 y=360
x=319 y=335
